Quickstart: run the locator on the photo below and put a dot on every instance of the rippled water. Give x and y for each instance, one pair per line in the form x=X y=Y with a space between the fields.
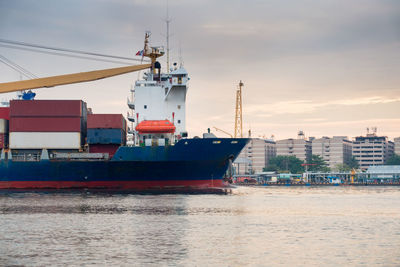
x=253 y=226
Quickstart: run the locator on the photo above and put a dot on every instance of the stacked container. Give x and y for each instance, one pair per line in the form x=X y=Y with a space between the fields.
x=4 y=118
x=50 y=124
x=106 y=132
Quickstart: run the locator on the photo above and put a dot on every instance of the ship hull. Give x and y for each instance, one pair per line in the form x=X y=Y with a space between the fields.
x=191 y=164
x=117 y=186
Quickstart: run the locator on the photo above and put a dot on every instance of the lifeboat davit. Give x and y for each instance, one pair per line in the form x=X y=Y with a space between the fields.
x=162 y=126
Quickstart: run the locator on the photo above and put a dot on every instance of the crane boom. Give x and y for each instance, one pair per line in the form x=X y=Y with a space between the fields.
x=222 y=131
x=68 y=78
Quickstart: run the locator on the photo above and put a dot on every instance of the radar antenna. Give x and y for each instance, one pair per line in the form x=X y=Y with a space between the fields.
x=167 y=21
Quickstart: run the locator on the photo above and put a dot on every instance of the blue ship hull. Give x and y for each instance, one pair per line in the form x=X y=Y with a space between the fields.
x=190 y=164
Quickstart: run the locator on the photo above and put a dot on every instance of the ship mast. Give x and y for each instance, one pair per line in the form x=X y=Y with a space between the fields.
x=167 y=21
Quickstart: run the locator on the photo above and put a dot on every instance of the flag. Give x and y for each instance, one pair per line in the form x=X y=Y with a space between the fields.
x=139 y=53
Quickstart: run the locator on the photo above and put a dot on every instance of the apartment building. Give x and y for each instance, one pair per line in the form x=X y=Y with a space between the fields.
x=335 y=150
x=300 y=147
x=372 y=150
x=255 y=156
x=397 y=145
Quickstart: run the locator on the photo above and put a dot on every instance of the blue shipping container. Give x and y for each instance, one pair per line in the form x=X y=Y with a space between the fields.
x=106 y=136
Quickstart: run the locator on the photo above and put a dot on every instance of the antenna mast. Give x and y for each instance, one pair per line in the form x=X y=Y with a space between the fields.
x=167 y=20
x=238 y=113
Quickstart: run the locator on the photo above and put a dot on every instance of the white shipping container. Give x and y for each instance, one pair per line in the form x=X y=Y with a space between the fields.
x=3 y=126
x=40 y=140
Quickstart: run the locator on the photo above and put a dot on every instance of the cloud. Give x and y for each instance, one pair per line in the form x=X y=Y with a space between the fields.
x=366 y=101
x=304 y=62
x=308 y=106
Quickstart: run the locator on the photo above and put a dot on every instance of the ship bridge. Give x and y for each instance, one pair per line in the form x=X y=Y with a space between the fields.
x=161 y=96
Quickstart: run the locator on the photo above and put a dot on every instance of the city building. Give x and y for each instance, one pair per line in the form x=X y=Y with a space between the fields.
x=372 y=150
x=300 y=147
x=336 y=150
x=397 y=145
x=255 y=156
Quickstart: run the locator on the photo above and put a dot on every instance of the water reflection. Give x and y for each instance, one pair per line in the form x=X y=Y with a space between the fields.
x=254 y=226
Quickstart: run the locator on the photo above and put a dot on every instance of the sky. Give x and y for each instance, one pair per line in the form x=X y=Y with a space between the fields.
x=329 y=67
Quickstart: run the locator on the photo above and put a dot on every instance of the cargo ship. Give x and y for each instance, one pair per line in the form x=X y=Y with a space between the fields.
x=63 y=145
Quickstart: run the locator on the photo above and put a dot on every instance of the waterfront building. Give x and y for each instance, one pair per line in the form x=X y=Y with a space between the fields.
x=336 y=150
x=300 y=147
x=255 y=156
x=397 y=145
x=388 y=173
x=372 y=150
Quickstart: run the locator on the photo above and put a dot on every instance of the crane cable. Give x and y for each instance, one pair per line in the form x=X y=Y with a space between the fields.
x=65 y=55
x=65 y=50
x=17 y=67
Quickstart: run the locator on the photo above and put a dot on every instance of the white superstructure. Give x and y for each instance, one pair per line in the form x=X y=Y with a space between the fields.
x=160 y=96
x=160 y=99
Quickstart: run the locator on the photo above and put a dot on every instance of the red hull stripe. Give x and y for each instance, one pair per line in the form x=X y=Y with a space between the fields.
x=112 y=185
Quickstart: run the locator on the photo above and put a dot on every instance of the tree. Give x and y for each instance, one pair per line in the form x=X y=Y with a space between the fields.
x=343 y=167
x=286 y=163
x=393 y=160
x=353 y=163
x=271 y=168
x=319 y=164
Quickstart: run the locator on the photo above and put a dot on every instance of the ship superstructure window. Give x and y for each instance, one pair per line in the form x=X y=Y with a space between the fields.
x=179 y=121
x=145 y=106
x=179 y=106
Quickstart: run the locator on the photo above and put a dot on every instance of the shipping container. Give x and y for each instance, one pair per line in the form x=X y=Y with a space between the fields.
x=106 y=136
x=99 y=148
x=45 y=124
x=5 y=113
x=40 y=140
x=3 y=126
x=112 y=121
x=47 y=108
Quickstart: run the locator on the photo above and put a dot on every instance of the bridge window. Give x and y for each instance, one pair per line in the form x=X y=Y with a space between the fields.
x=145 y=106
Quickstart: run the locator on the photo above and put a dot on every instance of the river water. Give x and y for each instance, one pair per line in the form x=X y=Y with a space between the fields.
x=268 y=226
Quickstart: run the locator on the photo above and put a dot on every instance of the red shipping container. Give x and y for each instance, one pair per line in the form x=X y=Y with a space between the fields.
x=5 y=113
x=106 y=121
x=46 y=108
x=43 y=124
x=110 y=149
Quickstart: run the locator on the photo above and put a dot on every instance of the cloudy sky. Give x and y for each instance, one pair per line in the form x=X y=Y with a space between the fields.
x=329 y=67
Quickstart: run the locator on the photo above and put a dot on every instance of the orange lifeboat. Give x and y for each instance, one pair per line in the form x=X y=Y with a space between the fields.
x=162 y=126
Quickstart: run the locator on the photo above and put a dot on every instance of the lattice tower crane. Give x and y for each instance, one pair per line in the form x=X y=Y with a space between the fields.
x=238 y=113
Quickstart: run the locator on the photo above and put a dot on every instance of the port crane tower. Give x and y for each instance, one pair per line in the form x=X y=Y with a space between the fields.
x=238 y=112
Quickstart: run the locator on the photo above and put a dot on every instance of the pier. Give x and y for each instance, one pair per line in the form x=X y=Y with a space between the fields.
x=376 y=176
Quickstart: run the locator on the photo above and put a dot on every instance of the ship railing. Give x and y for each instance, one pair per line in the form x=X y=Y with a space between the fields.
x=80 y=156
x=26 y=157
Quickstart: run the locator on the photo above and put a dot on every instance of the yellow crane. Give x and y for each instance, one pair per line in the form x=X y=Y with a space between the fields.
x=152 y=52
x=238 y=112
x=68 y=78
x=222 y=131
